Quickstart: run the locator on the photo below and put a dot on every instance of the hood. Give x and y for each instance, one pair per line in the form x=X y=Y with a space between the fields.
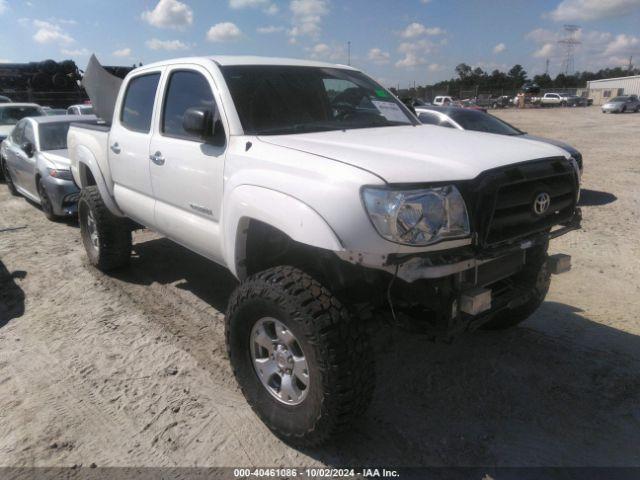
x=59 y=158
x=424 y=153
x=565 y=146
x=102 y=88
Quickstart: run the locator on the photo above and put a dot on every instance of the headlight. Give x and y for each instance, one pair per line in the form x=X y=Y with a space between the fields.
x=417 y=217
x=60 y=173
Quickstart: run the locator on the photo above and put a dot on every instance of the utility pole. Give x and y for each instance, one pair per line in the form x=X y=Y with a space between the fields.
x=630 y=64
x=349 y=53
x=569 y=42
x=546 y=70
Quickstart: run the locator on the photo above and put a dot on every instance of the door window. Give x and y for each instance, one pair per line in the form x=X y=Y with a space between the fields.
x=186 y=89
x=137 y=107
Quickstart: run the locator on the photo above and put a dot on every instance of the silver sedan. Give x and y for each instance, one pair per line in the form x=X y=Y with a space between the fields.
x=622 y=104
x=35 y=163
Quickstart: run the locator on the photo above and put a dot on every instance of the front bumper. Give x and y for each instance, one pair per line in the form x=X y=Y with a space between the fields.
x=63 y=195
x=612 y=109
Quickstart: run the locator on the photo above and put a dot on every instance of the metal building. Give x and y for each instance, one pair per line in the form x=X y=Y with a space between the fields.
x=602 y=90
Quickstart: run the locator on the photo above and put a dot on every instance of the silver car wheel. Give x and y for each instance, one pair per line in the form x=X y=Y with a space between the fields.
x=279 y=361
x=92 y=229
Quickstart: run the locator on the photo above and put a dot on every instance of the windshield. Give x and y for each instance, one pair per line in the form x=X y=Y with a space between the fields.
x=10 y=115
x=274 y=99
x=53 y=136
x=482 y=122
x=620 y=99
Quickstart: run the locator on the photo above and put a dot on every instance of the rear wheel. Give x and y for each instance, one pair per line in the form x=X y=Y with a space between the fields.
x=8 y=179
x=45 y=201
x=623 y=109
x=303 y=363
x=106 y=238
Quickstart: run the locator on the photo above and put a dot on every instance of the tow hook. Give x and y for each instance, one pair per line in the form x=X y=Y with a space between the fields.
x=559 y=263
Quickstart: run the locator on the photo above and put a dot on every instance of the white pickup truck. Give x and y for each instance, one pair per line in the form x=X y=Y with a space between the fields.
x=552 y=99
x=330 y=202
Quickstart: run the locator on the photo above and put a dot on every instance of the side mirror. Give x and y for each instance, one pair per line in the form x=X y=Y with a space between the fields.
x=28 y=148
x=198 y=122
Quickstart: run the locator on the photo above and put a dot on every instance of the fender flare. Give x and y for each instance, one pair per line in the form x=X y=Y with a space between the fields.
x=86 y=159
x=286 y=213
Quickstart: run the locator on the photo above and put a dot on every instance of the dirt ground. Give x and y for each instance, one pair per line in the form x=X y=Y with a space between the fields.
x=131 y=370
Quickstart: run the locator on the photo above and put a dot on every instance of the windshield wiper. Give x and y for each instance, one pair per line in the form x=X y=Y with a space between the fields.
x=297 y=128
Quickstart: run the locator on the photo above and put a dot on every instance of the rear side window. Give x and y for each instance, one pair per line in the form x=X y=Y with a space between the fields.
x=187 y=89
x=137 y=107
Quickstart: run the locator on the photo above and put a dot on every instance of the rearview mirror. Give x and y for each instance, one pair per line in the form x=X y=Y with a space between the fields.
x=28 y=148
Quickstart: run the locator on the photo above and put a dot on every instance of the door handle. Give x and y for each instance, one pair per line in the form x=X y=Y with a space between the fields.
x=157 y=158
x=115 y=148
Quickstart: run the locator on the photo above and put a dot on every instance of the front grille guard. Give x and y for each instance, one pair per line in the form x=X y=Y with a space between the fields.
x=482 y=194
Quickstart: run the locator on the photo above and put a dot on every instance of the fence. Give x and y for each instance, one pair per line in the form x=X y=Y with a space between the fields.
x=58 y=99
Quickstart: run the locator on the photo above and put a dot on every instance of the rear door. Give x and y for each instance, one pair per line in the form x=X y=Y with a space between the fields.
x=129 y=140
x=187 y=171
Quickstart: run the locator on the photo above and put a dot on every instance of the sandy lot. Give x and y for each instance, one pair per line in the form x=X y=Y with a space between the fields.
x=131 y=369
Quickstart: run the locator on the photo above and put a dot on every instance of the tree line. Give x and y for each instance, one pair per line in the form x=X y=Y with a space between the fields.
x=477 y=80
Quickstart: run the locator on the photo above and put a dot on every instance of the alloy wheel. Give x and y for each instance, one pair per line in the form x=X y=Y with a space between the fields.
x=279 y=361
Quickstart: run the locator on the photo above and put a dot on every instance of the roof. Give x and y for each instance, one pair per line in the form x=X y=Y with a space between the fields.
x=19 y=104
x=229 y=60
x=630 y=77
x=63 y=118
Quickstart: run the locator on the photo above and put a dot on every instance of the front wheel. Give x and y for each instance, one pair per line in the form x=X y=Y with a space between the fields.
x=106 y=238
x=303 y=363
x=7 y=178
x=537 y=279
x=45 y=201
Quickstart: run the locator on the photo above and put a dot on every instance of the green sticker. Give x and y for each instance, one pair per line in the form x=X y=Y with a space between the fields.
x=381 y=93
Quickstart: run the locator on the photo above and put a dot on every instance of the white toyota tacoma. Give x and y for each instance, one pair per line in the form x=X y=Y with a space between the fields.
x=330 y=202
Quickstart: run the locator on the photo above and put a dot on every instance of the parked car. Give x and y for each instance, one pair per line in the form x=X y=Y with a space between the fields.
x=468 y=104
x=494 y=102
x=442 y=100
x=11 y=113
x=319 y=191
x=551 y=100
x=575 y=101
x=484 y=122
x=36 y=164
x=4 y=99
x=56 y=111
x=622 y=104
x=80 y=110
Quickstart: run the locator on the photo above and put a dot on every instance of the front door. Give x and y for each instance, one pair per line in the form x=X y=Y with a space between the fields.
x=128 y=147
x=187 y=171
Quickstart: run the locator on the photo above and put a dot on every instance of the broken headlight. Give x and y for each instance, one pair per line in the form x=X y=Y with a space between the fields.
x=417 y=217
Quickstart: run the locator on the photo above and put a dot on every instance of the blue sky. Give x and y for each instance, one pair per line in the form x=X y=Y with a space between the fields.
x=396 y=41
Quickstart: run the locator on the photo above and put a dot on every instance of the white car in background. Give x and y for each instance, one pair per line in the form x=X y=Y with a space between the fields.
x=80 y=110
x=442 y=100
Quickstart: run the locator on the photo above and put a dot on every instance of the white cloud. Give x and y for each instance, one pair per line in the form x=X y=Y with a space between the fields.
x=499 y=48
x=425 y=1
x=545 y=50
x=322 y=51
x=270 y=29
x=123 y=52
x=415 y=52
x=623 y=44
x=51 y=33
x=540 y=35
x=5 y=60
x=268 y=7
x=307 y=17
x=169 y=14
x=170 y=45
x=78 y=52
x=224 y=32
x=416 y=29
x=435 y=67
x=3 y=6
x=376 y=55
x=587 y=10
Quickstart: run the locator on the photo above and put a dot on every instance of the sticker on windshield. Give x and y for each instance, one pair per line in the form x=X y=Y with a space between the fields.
x=390 y=111
x=381 y=93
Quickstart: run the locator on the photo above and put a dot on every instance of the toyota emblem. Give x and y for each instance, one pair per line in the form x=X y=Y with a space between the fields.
x=541 y=203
